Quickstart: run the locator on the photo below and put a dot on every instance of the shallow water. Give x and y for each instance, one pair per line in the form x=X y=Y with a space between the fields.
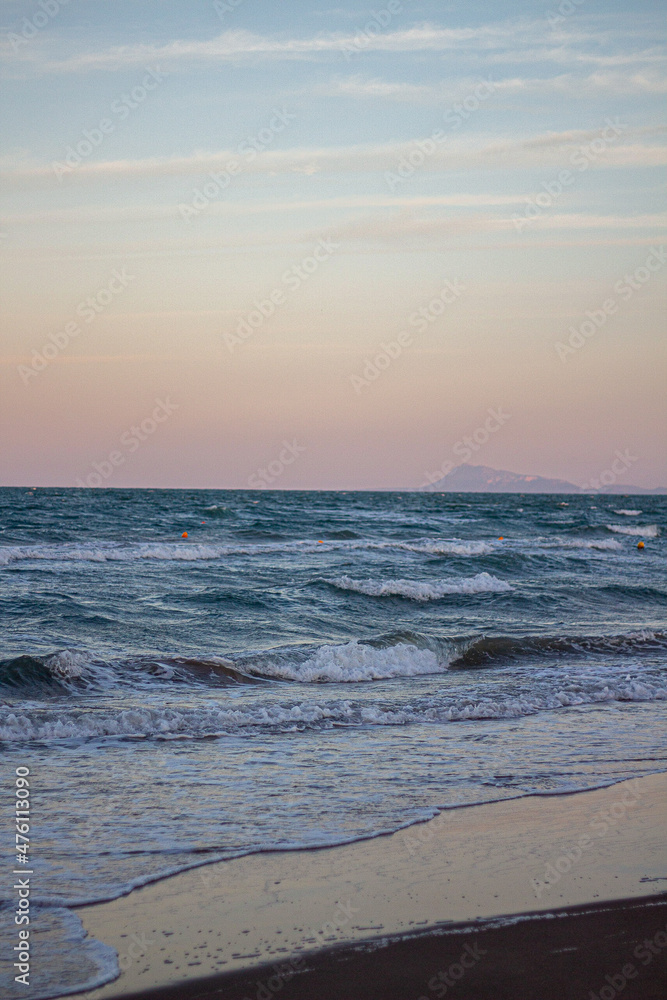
x=312 y=668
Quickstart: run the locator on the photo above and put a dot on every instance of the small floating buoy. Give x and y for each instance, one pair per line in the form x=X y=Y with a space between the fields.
x=320 y=542
x=501 y=539
x=640 y=545
x=184 y=535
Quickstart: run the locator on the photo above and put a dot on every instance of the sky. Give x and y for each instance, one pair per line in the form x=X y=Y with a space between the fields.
x=301 y=246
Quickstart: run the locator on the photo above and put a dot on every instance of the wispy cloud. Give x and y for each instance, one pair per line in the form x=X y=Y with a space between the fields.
x=230 y=46
x=356 y=87
x=593 y=85
x=93 y=214
x=542 y=150
x=399 y=227
x=584 y=87
x=399 y=232
x=517 y=40
x=156 y=250
x=569 y=54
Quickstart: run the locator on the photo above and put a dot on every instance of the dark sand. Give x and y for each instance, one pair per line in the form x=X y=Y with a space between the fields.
x=572 y=953
x=381 y=918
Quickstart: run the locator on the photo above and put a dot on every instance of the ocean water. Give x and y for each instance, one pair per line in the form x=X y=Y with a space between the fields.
x=306 y=669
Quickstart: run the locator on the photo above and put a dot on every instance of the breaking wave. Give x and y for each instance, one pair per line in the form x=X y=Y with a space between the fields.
x=486 y=650
x=354 y=662
x=416 y=591
x=186 y=551
x=601 y=544
x=160 y=722
x=395 y=655
x=56 y=672
x=99 y=551
x=76 y=671
x=644 y=530
x=628 y=513
x=441 y=548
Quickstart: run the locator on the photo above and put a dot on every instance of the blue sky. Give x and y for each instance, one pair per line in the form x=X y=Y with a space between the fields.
x=517 y=149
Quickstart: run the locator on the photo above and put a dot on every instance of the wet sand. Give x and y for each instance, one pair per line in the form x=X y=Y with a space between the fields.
x=525 y=885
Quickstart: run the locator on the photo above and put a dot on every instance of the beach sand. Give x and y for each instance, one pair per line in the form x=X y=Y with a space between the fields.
x=485 y=895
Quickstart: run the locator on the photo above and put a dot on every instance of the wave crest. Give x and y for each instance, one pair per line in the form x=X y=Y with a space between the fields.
x=354 y=662
x=644 y=530
x=163 y=722
x=69 y=670
x=421 y=591
x=102 y=551
x=600 y=544
x=484 y=650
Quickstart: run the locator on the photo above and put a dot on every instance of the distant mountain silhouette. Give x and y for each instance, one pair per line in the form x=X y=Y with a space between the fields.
x=484 y=479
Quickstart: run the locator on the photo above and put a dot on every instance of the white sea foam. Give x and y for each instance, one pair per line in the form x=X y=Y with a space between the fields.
x=67 y=663
x=167 y=723
x=628 y=513
x=353 y=662
x=518 y=707
x=601 y=544
x=446 y=548
x=186 y=551
x=644 y=530
x=110 y=552
x=423 y=591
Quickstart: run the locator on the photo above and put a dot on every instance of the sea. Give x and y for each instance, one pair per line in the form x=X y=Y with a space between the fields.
x=194 y=675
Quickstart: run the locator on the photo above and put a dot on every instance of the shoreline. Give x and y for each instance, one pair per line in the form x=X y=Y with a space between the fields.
x=85 y=903
x=576 y=951
x=501 y=869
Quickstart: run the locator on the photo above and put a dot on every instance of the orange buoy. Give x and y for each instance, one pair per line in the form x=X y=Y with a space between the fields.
x=640 y=545
x=501 y=539
x=184 y=535
x=320 y=542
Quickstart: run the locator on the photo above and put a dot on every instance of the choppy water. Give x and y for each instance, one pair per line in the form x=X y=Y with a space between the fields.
x=310 y=668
